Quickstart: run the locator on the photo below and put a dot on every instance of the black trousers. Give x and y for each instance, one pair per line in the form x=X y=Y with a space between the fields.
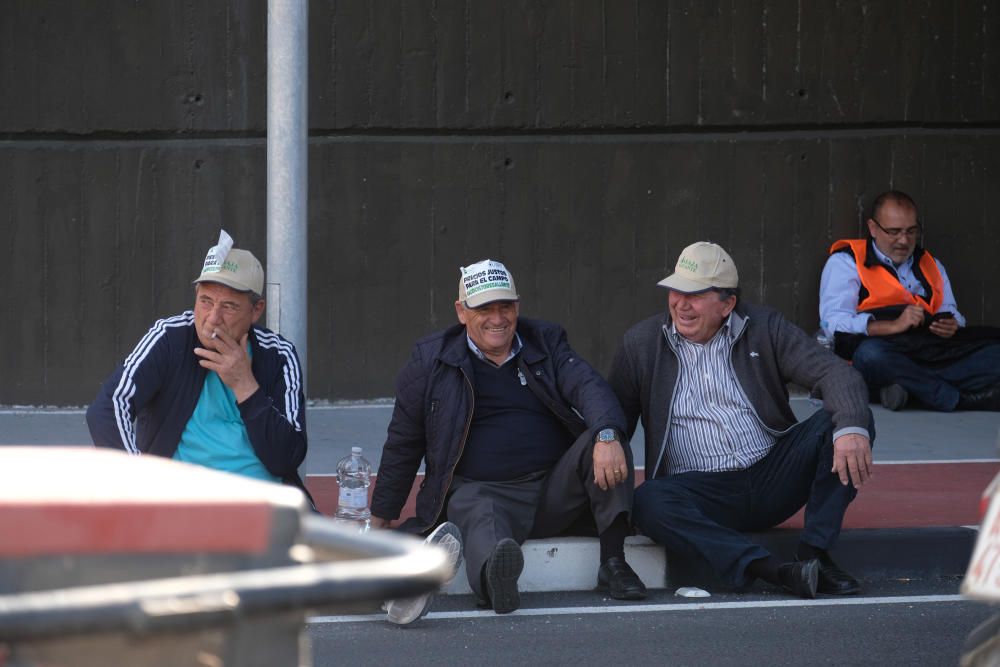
x=704 y=514
x=542 y=504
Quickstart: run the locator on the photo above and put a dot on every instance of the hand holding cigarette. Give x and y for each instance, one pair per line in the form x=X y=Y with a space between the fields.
x=230 y=360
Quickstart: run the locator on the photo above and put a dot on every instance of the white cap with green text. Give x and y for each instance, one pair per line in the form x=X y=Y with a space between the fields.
x=702 y=266
x=485 y=282
x=232 y=267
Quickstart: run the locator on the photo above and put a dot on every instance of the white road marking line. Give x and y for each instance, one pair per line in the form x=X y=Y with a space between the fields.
x=650 y=608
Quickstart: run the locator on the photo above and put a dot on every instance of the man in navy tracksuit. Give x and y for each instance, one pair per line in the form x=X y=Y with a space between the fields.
x=209 y=386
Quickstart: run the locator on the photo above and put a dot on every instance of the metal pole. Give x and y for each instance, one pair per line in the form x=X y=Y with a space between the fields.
x=287 y=170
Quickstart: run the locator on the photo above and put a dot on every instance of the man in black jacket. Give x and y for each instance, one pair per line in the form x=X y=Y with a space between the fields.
x=521 y=438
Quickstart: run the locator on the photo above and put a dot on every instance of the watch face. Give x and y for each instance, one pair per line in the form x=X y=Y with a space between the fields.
x=607 y=435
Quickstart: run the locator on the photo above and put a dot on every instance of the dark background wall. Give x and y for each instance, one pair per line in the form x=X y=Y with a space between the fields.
x=583 y=143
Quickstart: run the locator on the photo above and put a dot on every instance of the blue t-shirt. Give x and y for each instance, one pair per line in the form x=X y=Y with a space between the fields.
x=215 y=435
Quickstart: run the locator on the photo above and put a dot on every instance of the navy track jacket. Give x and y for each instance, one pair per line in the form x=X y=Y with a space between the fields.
x=146 y=403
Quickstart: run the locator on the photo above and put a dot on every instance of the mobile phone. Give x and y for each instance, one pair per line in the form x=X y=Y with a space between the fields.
x=943 y=315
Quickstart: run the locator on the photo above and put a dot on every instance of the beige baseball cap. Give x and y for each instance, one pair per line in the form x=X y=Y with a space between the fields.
x=702 y=266
x=232 y=267
x=484 y=282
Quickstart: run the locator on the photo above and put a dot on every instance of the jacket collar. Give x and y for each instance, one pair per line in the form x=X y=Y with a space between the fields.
x=455 y=351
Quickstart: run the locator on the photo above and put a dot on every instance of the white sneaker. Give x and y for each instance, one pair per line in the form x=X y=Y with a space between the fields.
x=406 y=611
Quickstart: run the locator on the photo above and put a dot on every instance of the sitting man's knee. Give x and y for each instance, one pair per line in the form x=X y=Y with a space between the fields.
x=656 y=497
x=641 y=496
x=870 y=351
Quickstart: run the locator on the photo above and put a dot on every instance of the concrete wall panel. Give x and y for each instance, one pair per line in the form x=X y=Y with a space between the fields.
x=585 y=143
x=122 y=67
x=125 y=67
x=102 y=242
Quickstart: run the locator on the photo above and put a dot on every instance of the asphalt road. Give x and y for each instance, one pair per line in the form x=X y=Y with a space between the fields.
x=898 y=623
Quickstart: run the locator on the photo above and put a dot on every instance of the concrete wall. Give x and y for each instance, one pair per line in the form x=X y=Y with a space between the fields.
x=584 y=143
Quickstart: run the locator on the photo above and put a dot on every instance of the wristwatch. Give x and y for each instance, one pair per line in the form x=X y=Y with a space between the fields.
x=607 y=435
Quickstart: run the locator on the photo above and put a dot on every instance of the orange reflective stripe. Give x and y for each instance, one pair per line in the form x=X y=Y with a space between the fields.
x=883 y=288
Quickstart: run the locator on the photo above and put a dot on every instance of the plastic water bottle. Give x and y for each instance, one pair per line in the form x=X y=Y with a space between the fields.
x=354 y=475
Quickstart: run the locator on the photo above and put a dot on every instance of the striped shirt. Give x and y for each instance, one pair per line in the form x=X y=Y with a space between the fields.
x=713 y=427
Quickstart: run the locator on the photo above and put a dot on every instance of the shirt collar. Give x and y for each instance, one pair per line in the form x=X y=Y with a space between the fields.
x=885 y=259
x=515 y=347
x=725 y=330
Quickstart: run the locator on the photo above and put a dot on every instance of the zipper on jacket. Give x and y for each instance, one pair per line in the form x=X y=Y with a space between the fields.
x=461 y=447
x=554 y=407
x=670 y=408
x=739 y=385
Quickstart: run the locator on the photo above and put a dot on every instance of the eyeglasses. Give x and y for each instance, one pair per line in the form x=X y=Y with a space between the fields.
x=913 y=232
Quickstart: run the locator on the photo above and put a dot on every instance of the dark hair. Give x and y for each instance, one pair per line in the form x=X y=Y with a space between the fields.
x=897 y=196
x=726 y=292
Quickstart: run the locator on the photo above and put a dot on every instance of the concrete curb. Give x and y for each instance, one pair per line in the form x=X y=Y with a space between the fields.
x=570 y=563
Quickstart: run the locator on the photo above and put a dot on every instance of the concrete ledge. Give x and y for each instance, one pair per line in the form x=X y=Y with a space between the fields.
x=570 y=563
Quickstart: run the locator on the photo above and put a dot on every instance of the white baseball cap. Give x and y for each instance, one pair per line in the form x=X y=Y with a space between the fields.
x=232 y=267
x=484 y=282
x=702 y=266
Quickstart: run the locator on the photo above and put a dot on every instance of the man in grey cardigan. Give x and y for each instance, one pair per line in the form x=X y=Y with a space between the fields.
x=724 y=454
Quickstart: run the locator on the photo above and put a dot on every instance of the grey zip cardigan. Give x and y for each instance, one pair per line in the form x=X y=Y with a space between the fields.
x=769 y=353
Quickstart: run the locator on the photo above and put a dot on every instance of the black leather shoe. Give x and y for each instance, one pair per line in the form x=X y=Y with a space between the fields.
x=501 y=573
x=980 y=400
x=832 y=579
x=800 y=578
x=620 y=580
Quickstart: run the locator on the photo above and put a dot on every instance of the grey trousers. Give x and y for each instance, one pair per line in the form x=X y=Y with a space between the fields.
x=542 y=504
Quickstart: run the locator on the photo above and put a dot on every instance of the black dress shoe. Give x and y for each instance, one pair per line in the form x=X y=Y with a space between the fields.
x=800 y=578
x=500 y=574
x=980 y=400
x=832 y=579
x=620 y=580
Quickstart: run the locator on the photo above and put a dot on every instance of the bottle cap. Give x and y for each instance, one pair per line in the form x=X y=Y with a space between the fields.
x=355 y=450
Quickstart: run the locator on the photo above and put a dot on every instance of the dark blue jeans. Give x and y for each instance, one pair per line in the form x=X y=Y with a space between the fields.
x=881 y=363
x=704 y=514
